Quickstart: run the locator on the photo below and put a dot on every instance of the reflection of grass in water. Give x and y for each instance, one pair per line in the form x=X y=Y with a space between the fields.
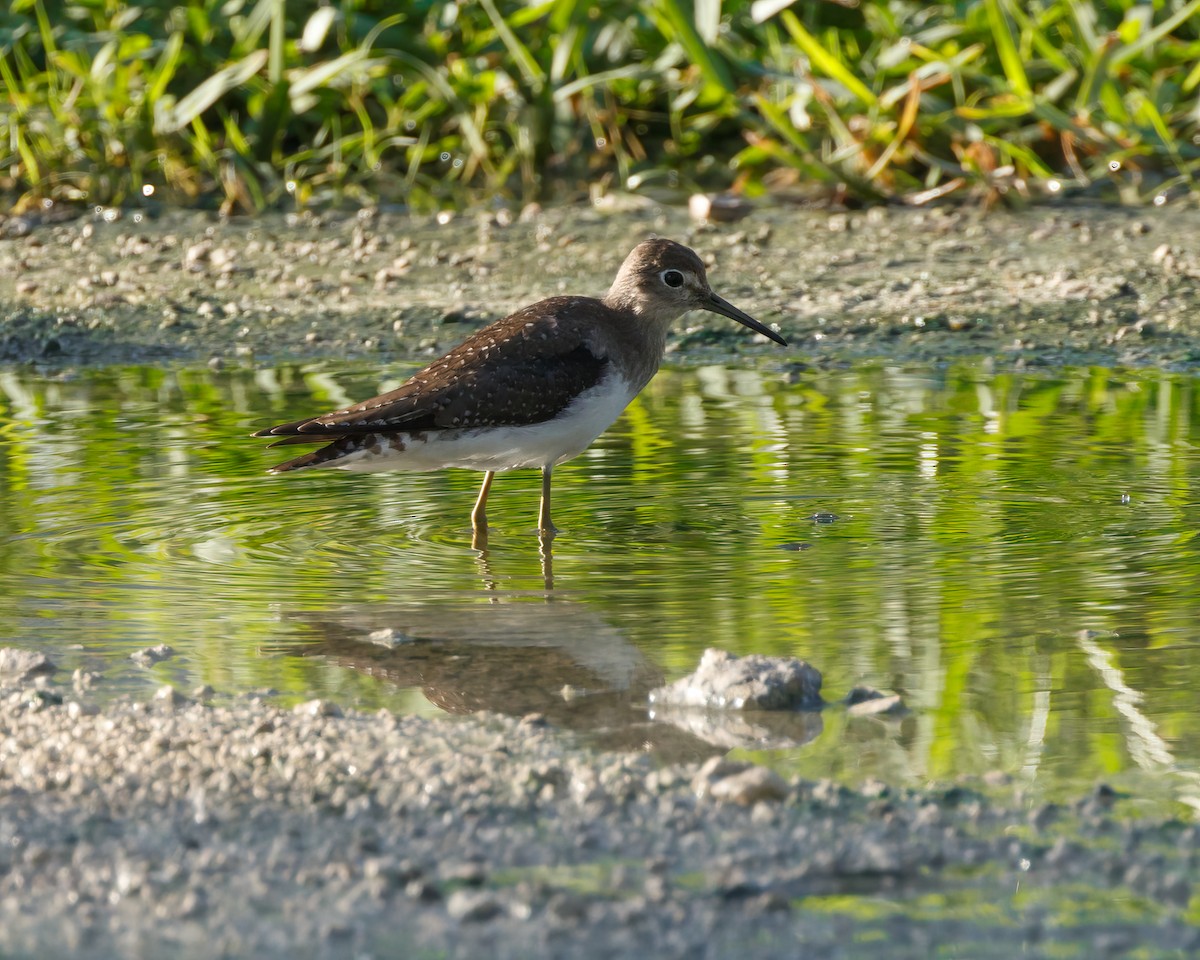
x=981 y=527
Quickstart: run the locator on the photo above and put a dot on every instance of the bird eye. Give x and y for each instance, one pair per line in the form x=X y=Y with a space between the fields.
x=672 y=278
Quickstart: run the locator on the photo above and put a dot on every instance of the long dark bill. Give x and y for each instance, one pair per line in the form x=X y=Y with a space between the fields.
x=727 y=309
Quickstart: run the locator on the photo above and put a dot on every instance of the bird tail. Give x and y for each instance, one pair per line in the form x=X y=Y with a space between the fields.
x=339 y=449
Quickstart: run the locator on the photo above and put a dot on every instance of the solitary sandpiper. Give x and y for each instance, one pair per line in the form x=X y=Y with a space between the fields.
x=531 y=390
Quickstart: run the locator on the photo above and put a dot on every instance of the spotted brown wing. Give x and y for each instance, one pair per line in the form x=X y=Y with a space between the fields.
x=524 y=369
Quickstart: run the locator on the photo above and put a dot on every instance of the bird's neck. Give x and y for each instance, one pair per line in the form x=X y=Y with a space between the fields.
x=640 y=342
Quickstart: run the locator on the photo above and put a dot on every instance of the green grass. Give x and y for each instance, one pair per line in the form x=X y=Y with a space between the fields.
x=257 y=103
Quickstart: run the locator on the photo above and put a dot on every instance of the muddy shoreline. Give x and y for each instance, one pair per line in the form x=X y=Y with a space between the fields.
x=1049 y=287
x=180 y=828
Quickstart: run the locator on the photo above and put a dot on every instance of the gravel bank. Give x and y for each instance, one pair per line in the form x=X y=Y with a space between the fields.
x=175 y=828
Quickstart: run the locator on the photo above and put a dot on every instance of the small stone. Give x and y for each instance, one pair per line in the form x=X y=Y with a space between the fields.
x=317 y=708
x=193 y=903
x=170 y=697
x=714 y=769
x=148 y=656
x=567 y=908
x=25 y=664
x=203 y=692
x=866 y=702
x=389 y=637
x=75 y=709
x=473 y=905
x=422 y=890
x=749 y=787
x=1045 y=815
x=718 y=207
x=396 y=872
x=1100 y=801
x=83 y=680
x=197 y=253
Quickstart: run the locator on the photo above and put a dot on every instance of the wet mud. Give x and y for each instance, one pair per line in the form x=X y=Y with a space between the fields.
x=1048 y=287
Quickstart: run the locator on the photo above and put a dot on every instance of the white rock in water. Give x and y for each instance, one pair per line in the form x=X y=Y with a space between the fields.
x=753 y=682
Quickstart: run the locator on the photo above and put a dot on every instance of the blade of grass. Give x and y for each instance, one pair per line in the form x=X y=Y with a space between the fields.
x=165 y=68
x=306 y=80
x=1151 y=37
x=211 y=90
x=908 y=118
x=1006 y=49
x=676 y=25
x=528 y=65
x=708 y=19
x=823 y=62
x=276 y=41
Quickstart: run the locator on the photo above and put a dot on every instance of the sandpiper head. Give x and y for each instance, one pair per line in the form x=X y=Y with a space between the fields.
x=661 y=280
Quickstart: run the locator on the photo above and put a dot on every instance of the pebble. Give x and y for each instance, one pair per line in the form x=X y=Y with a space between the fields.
x=718 y=207
x=868 y=702
x=25 y=664
x=749 y=787
x=317 y=708
x=148 y=656
x=170 y=697
x=473 y=905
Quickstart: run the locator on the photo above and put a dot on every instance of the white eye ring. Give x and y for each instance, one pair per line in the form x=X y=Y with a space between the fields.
x=672 y=278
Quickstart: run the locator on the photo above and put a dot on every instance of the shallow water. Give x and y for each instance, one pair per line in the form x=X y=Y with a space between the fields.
x=1013 y=553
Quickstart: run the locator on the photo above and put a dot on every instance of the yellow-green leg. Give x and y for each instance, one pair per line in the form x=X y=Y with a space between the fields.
x=479 y=513
x=545 y=526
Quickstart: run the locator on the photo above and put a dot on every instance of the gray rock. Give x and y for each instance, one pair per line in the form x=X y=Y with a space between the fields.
x=735 y=781
x=169 y=697
x=473 y=905
x=755 y=785
x=389 y=637
x=317 y=708
x=753 y=682
x=148 y=656
x=868 y=702
x=24 y=664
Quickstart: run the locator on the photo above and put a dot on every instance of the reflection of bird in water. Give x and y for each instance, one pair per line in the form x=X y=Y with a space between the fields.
x=557 y=659
x=531 y=390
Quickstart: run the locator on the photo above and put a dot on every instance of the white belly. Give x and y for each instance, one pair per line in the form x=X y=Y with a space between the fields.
x=502 y=448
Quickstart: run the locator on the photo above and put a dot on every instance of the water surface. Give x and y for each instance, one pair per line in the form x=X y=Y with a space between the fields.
x=1014 y=553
